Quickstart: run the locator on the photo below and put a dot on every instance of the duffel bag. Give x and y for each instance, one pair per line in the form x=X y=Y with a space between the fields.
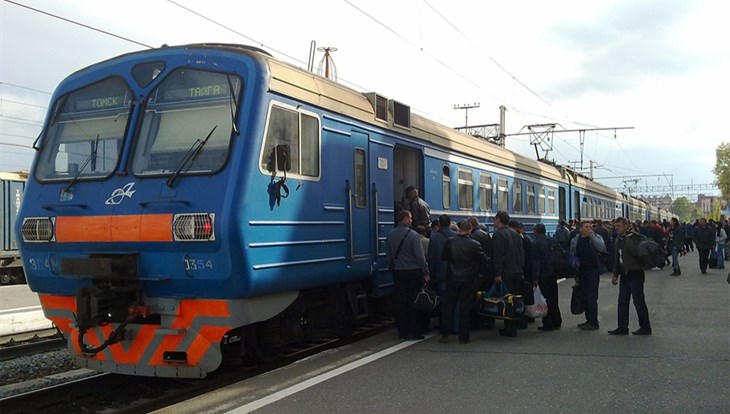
x=500 y=304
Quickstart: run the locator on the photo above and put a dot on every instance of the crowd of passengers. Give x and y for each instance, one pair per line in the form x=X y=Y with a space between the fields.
x=459 y=259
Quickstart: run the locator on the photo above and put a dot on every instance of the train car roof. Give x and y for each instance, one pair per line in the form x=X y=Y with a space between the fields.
x=303 y=85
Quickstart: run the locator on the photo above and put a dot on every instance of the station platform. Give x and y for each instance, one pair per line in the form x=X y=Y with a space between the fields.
x=683 y=367
x=20 y=311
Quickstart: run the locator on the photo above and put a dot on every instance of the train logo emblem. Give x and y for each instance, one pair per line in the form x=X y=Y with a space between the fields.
x=118 y=195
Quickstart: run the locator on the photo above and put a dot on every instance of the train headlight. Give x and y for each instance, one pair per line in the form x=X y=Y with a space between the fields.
x=193 y=227
x=39 y=229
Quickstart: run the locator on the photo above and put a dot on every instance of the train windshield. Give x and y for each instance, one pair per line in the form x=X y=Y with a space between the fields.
x=186 y=108
x=84 y=135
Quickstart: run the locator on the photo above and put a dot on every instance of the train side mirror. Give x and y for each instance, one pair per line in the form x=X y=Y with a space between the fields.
x=283 y=159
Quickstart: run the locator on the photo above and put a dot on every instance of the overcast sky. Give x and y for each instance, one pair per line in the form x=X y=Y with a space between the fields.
x=659 y=66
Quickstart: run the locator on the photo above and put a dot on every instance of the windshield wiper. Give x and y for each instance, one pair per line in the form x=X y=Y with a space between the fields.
x=234 y=105
x=88 y=159
x=189 y=157
x=54 y=117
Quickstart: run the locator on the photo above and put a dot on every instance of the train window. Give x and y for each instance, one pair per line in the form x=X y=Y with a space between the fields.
x=517 y=196
x=298 y=130
x=541 y=201
x=530 y=199
x=551 y=202
x=466 y=190
x=189 y=109
x=446 y=186
x=360 y=192
x=502 y=194
x=485 y=192
x=84 y=135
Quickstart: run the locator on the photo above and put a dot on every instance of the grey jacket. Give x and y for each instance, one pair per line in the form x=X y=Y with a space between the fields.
x=411 y=255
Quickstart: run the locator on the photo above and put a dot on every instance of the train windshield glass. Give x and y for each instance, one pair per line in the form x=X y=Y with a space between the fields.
x=84 y=134
x=183 y=109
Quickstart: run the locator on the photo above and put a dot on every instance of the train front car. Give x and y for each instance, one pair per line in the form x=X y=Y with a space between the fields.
x=131 y=231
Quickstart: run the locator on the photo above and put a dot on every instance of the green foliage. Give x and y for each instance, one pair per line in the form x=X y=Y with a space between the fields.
x=722 y=169
x=684 y=208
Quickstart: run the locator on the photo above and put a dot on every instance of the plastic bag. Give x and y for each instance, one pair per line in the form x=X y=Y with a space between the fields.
x=539 y=309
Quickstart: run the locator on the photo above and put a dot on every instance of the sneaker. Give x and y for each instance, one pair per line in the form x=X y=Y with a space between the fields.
x=444 y=339
x=642 y=331
x=545 y=328
x=587 y=326
x=619 y=331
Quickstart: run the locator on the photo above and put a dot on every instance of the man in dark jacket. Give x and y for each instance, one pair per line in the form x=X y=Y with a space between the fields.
x=508 y=261
x=546 y=279
x=466 y=260
x=485 y=240
x=403 y=248
x=704 y=238
x=436 y=265
x=589 y=247
x=629 y=269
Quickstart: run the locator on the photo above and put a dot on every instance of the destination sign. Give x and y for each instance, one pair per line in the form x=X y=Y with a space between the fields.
x=103 y=102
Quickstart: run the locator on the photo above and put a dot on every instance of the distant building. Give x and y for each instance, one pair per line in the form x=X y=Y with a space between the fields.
x=705 y=202
x=663 y=202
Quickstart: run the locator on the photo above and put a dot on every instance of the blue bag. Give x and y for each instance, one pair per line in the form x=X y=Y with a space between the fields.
x=500 y=304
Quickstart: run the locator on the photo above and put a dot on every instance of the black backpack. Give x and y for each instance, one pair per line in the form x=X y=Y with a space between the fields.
x=558 y=263
x=651 y=254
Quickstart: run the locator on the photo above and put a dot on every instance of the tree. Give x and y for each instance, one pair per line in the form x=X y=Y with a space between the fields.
x=684 y=208
x=722 y=169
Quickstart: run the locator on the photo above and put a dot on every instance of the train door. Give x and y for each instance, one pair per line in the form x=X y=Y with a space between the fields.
x=359 y=205
x=562 y=204
x=576 y=205
x=407 y=171
x=382 y=212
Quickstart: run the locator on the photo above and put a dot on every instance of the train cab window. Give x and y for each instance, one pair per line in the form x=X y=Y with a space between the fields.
x=542 y=199
x=517 y=197
x=530 y=199
x=299 y=130
x=502 y=194
x=446 y=186
x=466 y=190
x=187 y=123
x=84 y=136
x=485 y=192
x=551 y=202
x=360 y=190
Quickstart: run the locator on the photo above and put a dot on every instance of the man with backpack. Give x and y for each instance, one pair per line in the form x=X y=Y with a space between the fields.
x=629 y=270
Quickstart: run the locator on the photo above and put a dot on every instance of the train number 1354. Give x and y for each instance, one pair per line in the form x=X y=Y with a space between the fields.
x=197 y=264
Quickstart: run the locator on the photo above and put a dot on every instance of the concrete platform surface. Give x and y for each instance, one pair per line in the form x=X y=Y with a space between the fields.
x=684 y=367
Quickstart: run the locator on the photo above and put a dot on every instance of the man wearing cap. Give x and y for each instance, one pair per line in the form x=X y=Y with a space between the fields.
x=420 y=209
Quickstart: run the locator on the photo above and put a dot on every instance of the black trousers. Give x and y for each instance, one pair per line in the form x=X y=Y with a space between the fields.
x=549 y=288
x=459 y=294
x=631 y=285
x=406 y=285
x=704 y=258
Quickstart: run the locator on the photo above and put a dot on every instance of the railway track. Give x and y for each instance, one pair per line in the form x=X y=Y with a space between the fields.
x=113 y=393
x=28 y=343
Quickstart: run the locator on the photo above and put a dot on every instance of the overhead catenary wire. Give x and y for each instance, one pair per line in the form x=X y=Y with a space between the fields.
x=435 y=58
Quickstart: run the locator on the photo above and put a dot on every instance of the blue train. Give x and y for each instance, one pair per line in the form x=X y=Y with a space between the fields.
x=194 y=202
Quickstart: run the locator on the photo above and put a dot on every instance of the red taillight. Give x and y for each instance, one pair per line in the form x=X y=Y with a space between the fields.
x=193 y=227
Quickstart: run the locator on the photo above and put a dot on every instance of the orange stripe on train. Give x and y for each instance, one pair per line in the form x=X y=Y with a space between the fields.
x=118 y=228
